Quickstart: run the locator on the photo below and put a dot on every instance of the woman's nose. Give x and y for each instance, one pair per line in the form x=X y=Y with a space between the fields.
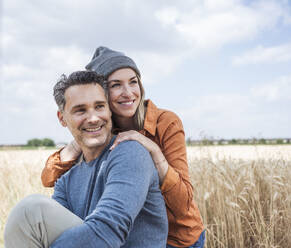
x=126 y=91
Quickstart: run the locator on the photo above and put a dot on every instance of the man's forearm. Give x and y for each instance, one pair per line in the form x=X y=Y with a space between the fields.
x=79 y=236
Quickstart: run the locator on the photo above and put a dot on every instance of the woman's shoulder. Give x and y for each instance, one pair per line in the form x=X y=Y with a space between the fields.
x=168 y=115
x=164 y=117
x=161 y=113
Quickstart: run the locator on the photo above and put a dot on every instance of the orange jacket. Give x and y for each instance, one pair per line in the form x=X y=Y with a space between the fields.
x=166 y=129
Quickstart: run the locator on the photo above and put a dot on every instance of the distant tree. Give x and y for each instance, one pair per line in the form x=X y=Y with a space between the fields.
x=206 y=142
x=254 y=141
x=262 y=141
x=40 y=142
x=233 y=141
x=279 y=141
x=188 y=141
x=48 y=142
x=34 y=142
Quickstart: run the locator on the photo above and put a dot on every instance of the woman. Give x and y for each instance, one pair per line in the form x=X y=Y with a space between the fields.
x=159 y=131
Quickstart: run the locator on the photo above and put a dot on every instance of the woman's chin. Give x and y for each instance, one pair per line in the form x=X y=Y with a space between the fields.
x=126 y=114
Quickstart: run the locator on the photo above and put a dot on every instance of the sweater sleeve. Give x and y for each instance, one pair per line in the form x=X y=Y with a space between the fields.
x=85 y=236
x=54 y=168
x=128 y=178
x=176 y=188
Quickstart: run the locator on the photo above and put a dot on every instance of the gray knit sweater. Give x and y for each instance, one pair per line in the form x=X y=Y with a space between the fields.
x=118 y=197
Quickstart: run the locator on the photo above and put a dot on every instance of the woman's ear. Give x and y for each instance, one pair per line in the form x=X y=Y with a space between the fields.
x=61 y=118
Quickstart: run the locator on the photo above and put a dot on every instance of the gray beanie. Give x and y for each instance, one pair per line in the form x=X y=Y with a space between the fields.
x=105 y=61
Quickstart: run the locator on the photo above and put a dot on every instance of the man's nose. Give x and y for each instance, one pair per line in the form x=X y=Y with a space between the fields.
x=93 y=116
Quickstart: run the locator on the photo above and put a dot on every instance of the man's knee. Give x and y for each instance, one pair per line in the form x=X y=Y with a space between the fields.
x=30 y=205
x=27 y=211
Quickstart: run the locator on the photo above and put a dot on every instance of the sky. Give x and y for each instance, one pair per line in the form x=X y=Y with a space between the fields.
x=223 y=66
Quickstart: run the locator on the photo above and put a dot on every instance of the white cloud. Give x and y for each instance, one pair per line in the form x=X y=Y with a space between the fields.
x=155 y=66
x=235 y=116
x=42 y=39
x=266 y=55
x=168 y=16
x=212 y=24
x=220 y=4
x=218 y=115
x=277 y=90
x=212 y=106
x=7 y=39
x=16 y=71
x=68 y=58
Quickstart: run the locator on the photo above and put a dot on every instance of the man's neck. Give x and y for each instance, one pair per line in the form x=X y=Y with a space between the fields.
x=94 y=152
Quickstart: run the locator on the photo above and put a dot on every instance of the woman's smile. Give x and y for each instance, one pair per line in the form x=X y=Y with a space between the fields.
x=124 y=92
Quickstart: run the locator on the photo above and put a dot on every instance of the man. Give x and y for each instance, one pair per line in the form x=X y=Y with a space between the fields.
x=109 y=199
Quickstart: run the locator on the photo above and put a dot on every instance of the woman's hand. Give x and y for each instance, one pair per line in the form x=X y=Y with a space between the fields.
x=155 y=151
x=70 y=152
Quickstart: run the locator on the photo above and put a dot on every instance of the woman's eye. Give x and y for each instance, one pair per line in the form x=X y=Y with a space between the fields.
x=114 y=85
x=133 y=82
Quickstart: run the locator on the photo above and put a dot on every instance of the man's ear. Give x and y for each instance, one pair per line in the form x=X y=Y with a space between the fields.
x=61 y=118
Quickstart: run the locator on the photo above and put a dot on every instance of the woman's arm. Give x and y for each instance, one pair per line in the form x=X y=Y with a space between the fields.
x=58 y=163
x=170 y=160
x=155 y=151
x=176 y=188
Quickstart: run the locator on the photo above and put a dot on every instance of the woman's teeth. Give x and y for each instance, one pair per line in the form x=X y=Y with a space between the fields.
x=127 y=103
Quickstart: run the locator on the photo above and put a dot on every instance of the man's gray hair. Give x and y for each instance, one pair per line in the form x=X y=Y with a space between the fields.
x=75 y=78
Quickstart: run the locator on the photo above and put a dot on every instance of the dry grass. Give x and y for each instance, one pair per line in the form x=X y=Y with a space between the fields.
x=20 y=176
x=245 y=200
x=244 y=193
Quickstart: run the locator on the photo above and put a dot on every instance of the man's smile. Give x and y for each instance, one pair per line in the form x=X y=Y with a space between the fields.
x=92 y=129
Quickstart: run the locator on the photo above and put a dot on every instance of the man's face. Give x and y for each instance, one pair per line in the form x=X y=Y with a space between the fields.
x=87 y=115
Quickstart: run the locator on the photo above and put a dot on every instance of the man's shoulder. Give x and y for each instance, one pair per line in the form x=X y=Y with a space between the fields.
x=132 y=161
x=131 y=144
x=129 y=153
x=130 y=148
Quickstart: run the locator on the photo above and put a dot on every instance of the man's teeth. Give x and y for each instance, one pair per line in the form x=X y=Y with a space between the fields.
x=93 y=129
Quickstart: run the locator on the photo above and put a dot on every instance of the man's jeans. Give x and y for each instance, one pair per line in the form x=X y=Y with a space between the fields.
x=37 y=221
x=198 y=244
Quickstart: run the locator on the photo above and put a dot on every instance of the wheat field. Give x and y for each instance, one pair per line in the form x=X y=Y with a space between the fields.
x=243 y=192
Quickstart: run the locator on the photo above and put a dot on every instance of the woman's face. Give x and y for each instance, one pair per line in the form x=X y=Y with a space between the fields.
x=124 y=92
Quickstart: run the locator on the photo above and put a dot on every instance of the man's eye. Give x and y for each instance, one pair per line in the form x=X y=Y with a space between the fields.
x=79 y=110
x=100 y=106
